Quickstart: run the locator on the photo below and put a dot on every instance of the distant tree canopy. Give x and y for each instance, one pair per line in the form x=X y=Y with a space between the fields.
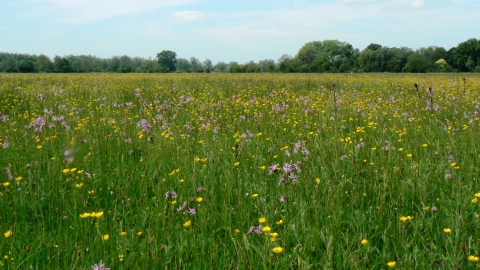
x=330 y=56
x=167 y=60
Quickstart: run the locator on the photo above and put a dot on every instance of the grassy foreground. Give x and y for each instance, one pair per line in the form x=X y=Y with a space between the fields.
x=215 y=171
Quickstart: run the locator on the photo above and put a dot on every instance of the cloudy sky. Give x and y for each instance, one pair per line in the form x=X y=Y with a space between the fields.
x=224 y=30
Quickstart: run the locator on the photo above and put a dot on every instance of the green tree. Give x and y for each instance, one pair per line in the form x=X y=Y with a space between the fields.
x=183 y=65
x=26 y=67
x=43 y=64
x=469 y=49
x=207 y=65
x=62 y=65
x=417 y=63
x=167 y=60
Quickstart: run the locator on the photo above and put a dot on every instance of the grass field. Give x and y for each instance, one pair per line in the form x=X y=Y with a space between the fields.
x=212 y=171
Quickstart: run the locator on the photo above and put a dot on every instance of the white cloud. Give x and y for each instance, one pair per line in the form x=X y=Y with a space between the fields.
x=188 y=16
x=417 y=3
x=81 y=11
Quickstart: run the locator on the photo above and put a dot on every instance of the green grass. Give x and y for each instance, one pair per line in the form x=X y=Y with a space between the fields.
x=222 y=133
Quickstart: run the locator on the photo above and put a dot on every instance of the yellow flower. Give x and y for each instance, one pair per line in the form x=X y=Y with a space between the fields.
x=73 y=169
x=266 y=229
x=263 y=167
x=174 y=202
x=199 y=199
x=65 y=170
x=85 y=215
x=106 y=237
x=187 y=224
x=409 y=155
x=18 y=178
x=91 y=192
x=6 y=184
x=403 y=219
x=262 y=220
x=447 y=230
x=123 y=233
x=140 y=233
x=392 y=264
x=98 y=214
x=477 y=195
x=280 y=222
x=475 y=200
x=364 y=241
x=8 y=233
x=473 y=258
x=237 y=230
x=39 y=147
x=236 y=164
x=79 y=185
x=274 y=234
x=277 y=250
x=255 y=195
x=317 y=180
x=120 y=256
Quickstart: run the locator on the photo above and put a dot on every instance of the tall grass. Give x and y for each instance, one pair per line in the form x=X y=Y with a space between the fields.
x=239 y=171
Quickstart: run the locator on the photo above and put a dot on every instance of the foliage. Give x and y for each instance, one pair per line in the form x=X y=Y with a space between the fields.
x=167 y=60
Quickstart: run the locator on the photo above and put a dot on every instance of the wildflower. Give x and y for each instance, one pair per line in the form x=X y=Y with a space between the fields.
x=123 y=233
x=8 y=233
x=79 y=185
x=477 y=195
x=237 y=231
x=392 y=264
x=262 y=220
x=191 y=211
x=281 y=199
x=18 y=178
x=6 y=184
x=475 y=200
x=236 y=164
x=317 y=180
x=266 y=229
x=85 y=215
x=106 y=237
x=199 y=199
x=99 y=266
x=277 y=250
x=255 y=230
x=280 y=222
x=473 y=258
x=140 y=233
x=91 y=192
x=364 y=242
x=447 y=230
x=187 y=224
x=65 y=170
x=409 y=155
x=407 y=218
x=255 y=195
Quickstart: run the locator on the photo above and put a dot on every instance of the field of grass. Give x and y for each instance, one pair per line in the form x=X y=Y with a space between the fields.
x=212 y=171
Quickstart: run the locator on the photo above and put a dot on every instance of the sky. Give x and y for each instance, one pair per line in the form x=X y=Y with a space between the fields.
x=224 y=30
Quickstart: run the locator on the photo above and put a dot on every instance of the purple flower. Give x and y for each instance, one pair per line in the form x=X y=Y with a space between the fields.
x=255 y=230
x=281 y=199
x=273 y=169
x=144 y=125
x=191 y=211
x=99 y=266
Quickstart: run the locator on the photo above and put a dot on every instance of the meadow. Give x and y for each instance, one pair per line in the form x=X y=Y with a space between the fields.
x=224 y=171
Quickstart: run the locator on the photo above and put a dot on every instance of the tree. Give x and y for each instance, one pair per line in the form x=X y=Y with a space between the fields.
x=26 y=67
x=43 y=64
x=167 y=60
x=196 y=65
x=207 y=65
x=183 y=65
x=469 y=49
x=61 y=65
x=417 y=63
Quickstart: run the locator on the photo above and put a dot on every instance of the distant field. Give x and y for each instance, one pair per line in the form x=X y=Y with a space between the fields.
x=223 y=171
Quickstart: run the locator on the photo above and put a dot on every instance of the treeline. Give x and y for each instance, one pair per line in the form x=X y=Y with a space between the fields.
x=314 y=57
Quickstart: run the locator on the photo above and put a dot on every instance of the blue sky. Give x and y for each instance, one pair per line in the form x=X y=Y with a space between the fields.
x=228 y=30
